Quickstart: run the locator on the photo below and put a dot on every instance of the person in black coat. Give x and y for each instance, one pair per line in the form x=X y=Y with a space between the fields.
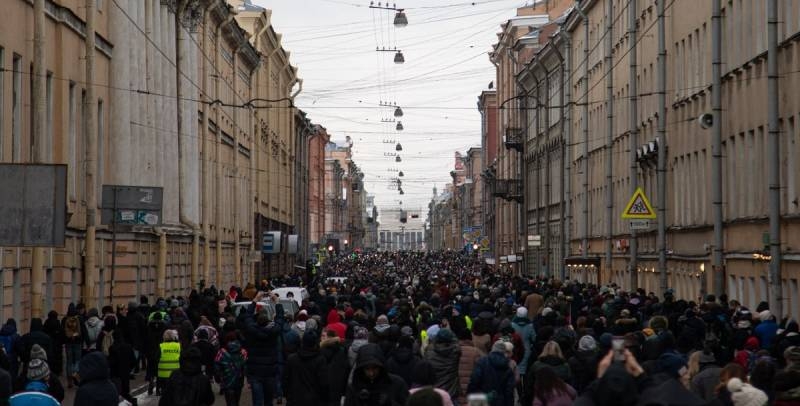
x=305 y=377
x=52 y=327
x=136 y=331
x=262 y=340
x=337 y=366
x=207 y=352
x=96 y=388
x=372 y=384
x=121 y=360
x=155 y=332
x=188 y=378
x=403 y=361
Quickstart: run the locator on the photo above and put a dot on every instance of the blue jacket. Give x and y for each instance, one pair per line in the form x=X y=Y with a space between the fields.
x=524 y=327
x=493 y=375
x=35 y=395
x=766 y=332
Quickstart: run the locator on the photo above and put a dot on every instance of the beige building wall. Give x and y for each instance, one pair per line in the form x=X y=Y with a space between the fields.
x=688 y=199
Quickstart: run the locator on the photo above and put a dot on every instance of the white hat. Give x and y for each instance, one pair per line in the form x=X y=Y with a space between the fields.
x=744 y=394
x=546 y=311
x=765 y=315
x=522 y=311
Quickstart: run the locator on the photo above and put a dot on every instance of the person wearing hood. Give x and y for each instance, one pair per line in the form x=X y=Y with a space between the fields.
x=36 y=391
x=136 y=331
x=52 y=327
x=444 y=356
x=372 y=384
x=744 y=394
x=424 y=378
x=155 y=333
x=493 y=376
x=766 y=330
x=617 y=383
x=188 y=385
x=96 y=388
x=262 y=340
x=9 y=338
x=667 y=384
x=335 y=323
x=305 y=379
x=230 y=369
x=583 y=365
x=523 y=326
x=93 y=325
x=786 y=383
x=121 y=361
x=336 y=362
x=360 y=338
x=789 y=337
x=704 y=382
x=299 y=326
x=403 y=361
x=746 y=357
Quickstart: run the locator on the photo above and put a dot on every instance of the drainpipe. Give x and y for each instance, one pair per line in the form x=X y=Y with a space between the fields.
x=237 y=255
x=716 y=145
x=522 y=223
x=585 y=130
x=91 y=159
x=548 y=187
x=218 y=151
x=161 y=268
x=39 y=152
x=775 y=296
x=662 y=149
x=253 y=195
x=537 y=162
x=565 y=96
x=206 y=145
x=183 y=145
x=609 y=60
x=633 y=134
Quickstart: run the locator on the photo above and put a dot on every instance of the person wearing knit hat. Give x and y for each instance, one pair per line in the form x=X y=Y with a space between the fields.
x=587 y=343
x=38 y=370
x=522 y=311
x=744 y=394
x=37 y=352
x=493 y=374
x=36 y=390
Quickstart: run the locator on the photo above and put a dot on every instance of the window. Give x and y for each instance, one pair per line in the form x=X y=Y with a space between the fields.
x=73 y=147
x=101 y=124
x=48 y=142
x=16 y=108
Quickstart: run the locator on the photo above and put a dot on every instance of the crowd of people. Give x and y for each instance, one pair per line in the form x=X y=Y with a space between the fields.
x=410 y=328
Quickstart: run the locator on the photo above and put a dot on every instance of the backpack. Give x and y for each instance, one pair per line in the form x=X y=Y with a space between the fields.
x=108 y=341
x=72 y=328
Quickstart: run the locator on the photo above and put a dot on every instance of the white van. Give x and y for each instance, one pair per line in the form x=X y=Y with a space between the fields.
x=298 y=292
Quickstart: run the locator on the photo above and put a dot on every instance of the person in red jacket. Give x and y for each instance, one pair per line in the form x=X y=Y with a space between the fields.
x=335 y=324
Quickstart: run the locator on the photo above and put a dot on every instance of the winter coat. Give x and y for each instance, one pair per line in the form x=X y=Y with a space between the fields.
x=137 y=330
x=524 y=328
x=35 y=394
x=121 y=358
x=782 y=343
x=189 y=375
x=746 y=357
x=337 y=368
x=230 y=365
x=466 y=364
x=493 y=375
x=385 y=390
x=93 y=327
x=557 y=398
x=402 y=362
x=9 y=338
x=52 y=327
x=352 y=351
x=335 y=324
x=261 y=343
x=534 y=303
x=705 y=382
x=668 y=391
x=96 y=388
x=787 y=387
x=207 y=351
x=36 y=336
x=444 y=358
x=583 y=368
x=6 y=385
x=305 y=378
x=766 y=332
x=558 y=365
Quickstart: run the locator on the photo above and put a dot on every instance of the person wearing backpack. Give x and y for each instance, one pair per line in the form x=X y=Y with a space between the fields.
x=93 y=327
x=229 y=365
x=96 y=388
x=188 y=386
x=73 y=342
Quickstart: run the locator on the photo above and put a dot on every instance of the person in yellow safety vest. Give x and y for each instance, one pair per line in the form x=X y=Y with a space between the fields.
x=468 y=320
x=169 y=358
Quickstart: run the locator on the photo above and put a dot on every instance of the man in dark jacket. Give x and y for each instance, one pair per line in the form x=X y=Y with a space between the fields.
x=35 y=336
x=305 y=377
x=337 y=366
x=206 y=350
x=96 y=388
x=136 y=331
x=372 y=384
x=444 y=355
x=403 y=361
x=188 y=385
x=493 y=375
x=121 y=360
x=583 y=364
x=262 y=338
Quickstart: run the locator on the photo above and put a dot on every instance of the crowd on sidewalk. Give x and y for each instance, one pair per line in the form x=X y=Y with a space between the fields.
x=410 y=328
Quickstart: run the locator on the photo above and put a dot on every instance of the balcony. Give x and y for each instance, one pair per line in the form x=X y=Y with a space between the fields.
x=508 y=189
x=513 y=139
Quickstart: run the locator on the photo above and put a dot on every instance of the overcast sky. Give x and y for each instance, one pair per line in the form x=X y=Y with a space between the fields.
x=445 y=45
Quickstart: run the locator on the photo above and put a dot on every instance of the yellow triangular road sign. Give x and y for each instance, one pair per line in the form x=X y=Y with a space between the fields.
x=638 y=207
